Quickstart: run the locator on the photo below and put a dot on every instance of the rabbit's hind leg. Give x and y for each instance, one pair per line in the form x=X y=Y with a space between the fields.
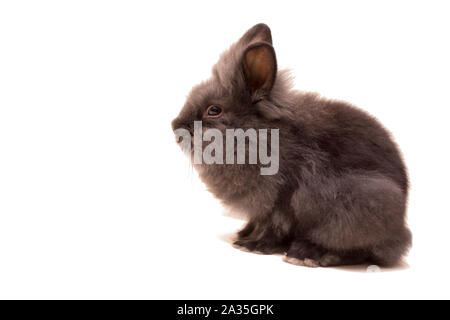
x=367 y=217
x=305 y=253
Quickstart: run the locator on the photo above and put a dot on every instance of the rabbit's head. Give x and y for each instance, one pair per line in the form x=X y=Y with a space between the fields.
x=240 y=92
x=244 y=92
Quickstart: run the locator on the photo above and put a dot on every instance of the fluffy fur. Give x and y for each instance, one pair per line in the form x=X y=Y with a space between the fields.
x=341 y=191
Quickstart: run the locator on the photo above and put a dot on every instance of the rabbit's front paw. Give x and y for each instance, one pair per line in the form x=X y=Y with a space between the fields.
x=257 y=246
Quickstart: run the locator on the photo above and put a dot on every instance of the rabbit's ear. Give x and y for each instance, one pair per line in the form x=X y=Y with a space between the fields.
x=260 y=66
x=258 y=33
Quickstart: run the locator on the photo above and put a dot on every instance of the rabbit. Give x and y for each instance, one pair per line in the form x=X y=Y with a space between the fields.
x=340 y=194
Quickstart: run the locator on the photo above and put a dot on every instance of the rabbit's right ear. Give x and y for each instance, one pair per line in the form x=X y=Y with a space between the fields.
x=260 y=67
x=258 y=61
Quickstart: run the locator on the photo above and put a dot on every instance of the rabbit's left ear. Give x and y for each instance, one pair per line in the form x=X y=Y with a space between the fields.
x=260 y=67
x=258 y=33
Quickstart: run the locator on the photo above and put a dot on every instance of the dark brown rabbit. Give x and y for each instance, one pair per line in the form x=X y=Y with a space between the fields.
x=340 y=194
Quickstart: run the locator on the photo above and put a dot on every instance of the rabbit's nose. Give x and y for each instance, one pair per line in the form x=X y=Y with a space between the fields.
x=178 y=123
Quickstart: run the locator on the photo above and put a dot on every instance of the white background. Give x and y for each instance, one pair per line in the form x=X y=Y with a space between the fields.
x=97 y=201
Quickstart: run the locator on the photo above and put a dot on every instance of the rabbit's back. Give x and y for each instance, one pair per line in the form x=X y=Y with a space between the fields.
x=350 y=140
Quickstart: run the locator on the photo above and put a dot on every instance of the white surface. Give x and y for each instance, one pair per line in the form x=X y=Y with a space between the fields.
x=96 y=200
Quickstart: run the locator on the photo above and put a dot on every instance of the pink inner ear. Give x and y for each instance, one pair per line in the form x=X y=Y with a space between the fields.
x=259 y=65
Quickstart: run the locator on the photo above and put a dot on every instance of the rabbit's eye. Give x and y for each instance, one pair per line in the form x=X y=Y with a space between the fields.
x=213 y=111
